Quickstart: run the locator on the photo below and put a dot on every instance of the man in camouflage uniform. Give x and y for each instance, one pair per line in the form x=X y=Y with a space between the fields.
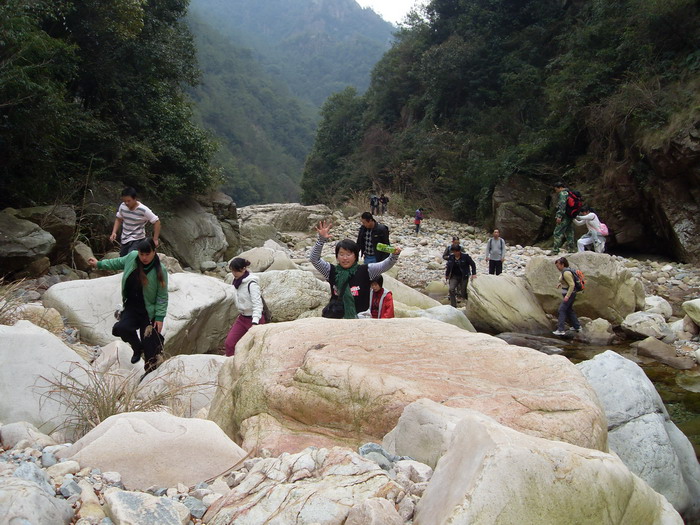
x=565 y=224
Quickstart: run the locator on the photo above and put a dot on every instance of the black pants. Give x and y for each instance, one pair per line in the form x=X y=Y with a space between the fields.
x=495 y=267
x=131 y=327
x=128 y=247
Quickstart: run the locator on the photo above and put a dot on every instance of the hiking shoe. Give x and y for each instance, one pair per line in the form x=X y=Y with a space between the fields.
x=577 y=329
x=135 y=358
x=559 y=332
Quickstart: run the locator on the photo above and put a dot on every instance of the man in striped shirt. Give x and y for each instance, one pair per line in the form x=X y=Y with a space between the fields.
x=132 y=216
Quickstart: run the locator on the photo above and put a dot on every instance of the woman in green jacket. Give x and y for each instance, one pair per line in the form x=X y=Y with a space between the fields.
x=145 y=298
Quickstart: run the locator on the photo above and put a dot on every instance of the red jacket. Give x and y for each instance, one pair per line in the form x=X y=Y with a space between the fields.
x=385 y=307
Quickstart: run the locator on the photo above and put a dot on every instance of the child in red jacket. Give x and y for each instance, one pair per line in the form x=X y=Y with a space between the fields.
x=381 y=302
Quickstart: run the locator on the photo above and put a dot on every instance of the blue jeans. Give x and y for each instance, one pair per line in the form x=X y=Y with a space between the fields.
x=370 y=259
x=566 y=311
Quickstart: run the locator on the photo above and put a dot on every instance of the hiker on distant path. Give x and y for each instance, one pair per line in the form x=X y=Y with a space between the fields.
x=132 y=217
x=564 y=230
x=567 y=283
x=348 y=276
x=248 y=301
x=418 y=218
x=495 y=253
x=594 y=235
x=448 y=250
x=381 y=302
x=374 y=205
x=384 y=201
x=459 y=267
x=145 y=298
x=371 y=232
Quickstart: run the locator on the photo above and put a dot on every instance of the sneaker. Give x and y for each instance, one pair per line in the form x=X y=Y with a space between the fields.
x=559 y=332
x=136 y=357
x=577 y=329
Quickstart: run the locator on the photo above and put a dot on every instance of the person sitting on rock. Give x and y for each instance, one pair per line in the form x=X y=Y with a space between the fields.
x=371 y=233
x=248 y=301
x=350 y=276
x=593 y=235
x=459 y=267
x=381 y=302
x=145 y=296
x=448 y=250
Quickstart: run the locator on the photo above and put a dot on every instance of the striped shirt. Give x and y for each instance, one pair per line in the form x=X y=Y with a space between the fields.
x=134 y=221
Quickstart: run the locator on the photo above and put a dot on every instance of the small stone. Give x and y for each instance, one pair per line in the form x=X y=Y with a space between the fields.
x=70 y=488
x=112 y=478
x=197 y=508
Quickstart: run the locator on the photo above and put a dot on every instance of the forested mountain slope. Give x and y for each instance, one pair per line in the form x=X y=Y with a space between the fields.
x=93 y=90
x=478 y=93
x=263 y=132
x=315 y=47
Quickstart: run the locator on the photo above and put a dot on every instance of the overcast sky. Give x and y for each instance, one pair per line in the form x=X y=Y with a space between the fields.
x=391 y=10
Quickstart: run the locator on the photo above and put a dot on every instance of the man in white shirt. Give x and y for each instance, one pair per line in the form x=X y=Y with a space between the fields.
x=132 y=217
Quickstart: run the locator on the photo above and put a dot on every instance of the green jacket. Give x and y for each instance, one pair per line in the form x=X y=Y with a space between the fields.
x=155 y=296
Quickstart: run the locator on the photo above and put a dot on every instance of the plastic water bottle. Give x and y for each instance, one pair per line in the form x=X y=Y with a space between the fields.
x=388 y=248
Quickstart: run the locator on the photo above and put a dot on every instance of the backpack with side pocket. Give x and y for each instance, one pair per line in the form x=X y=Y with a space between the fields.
x=574 y=201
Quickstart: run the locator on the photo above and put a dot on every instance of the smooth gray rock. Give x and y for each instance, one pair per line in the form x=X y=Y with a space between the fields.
x=21 y=242
x=641 y=432
x=139 y=508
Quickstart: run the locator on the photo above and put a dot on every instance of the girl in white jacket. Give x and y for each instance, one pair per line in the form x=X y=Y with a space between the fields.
x=248 y=300
x=593 y=235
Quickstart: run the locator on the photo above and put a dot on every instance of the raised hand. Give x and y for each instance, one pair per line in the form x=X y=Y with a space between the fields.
x=324 y=229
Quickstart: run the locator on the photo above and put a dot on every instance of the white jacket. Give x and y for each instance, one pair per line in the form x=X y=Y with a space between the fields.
x=249 y=298
x=590 y=220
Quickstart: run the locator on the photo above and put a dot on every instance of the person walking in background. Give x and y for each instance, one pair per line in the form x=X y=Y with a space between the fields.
x=248 y=301
x=448 y=250
x=567 y=283
x=495 y=253
x=348 y=279
x=564 y=230
x=384 y=202
x=418 y=218
x=132 y=217
x=374 y=205
x=371 y=232
x=381 y=302
x=459 y=267
x=145 y=298
x=596 y=230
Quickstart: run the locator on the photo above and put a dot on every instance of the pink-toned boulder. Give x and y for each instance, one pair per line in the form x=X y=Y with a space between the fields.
x=319 y=381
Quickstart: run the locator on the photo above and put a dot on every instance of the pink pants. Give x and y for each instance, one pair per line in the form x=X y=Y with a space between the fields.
x=238 y=330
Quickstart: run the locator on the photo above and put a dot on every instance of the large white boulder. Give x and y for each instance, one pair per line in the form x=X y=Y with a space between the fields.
x=494 y=474
x=131 y=442
x=504 y=303
x=611 y=292
x=313 y=486
x=29 y=356
x=407 y=295
x=192 y=377
x=325 y=382
x=291 y=294
x=201 y=310
x=641 y=432
x=193 y=234
x=445 y=313
x=260 y=258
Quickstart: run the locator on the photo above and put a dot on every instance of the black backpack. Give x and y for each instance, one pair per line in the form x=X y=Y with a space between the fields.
x=266 y=311
x=574 y=201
